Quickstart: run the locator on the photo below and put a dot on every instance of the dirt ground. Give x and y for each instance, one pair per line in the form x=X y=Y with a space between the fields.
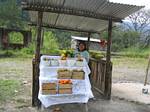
x=20 y=70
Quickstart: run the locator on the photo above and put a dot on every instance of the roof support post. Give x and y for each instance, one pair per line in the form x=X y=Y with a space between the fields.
x=88 y=41
x=108 y=72
x=42 y=37
x=35 y=86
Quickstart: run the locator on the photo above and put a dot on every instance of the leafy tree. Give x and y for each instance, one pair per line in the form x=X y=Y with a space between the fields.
x=11 y=15
x=64 y=38
x=122 y=39
x=50 y=43
x=16 y=37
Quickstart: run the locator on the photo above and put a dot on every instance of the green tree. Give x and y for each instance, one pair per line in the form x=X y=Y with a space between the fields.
x=122 y=39
x=50 y=44
x=140 y=22
x=64 y=38
x=16 y=37
x=11 y=15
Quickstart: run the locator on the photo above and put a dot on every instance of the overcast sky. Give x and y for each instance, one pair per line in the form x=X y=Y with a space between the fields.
x=146 y=3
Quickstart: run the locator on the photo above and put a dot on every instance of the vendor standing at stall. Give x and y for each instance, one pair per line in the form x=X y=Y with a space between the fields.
x=82 y=51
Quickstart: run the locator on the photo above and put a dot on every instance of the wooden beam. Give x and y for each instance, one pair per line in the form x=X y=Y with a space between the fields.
x=108 y=75
x=64 y=28
x=68 y=11
x=88 y=42
x=147 y=69
x=35 y=87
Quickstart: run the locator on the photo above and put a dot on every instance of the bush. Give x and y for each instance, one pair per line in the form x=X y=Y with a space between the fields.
x=28 y=50
x=9 y=53
x=16 y=38
x=50 y=44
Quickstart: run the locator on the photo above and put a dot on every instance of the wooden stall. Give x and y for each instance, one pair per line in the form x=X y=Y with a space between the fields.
x=4 y=38
x=90 y=16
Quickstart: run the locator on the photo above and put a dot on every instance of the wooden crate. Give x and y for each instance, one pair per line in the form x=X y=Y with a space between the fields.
x=64 y=86
x=64 y=75
x=49 y=92
x=78 y=75
x=65 y=91
x=47 y=86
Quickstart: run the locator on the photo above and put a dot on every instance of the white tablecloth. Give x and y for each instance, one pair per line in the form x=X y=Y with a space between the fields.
x=81 y=88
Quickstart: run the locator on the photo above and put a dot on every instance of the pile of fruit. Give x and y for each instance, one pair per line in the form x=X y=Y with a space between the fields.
x=65 y=81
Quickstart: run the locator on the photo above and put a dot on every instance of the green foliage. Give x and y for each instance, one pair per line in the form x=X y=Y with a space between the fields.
x=28 y=50
x=16 y=37
x=123 y=39
x=7 y=89
x=63 y=38
x=11 y=15
x=50 y=44
x=8 y=53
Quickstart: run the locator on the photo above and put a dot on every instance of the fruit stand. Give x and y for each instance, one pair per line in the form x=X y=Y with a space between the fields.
x=86 y=16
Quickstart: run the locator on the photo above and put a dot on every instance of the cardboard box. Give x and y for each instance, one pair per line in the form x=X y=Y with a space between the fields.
x=65 y=91
x=49 y=92
x=47 y=86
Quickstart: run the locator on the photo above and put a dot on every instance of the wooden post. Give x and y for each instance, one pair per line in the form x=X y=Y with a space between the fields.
x=42 y=40
x=88 y=42
x=108 y=75
x=35 y=86
x=146 y=76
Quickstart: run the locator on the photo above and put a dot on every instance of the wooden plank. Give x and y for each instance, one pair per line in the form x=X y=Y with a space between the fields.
x=100 y=74
x=33 y=81
x=35 y=86
x=88 y=42
x=147 y=69
x=108 y=75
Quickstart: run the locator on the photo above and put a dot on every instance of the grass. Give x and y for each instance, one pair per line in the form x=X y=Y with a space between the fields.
x=8 y=88
x=134 y=52
x=130 y=62
x=15 y=53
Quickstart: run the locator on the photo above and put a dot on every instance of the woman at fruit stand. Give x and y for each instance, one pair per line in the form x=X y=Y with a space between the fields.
x=82 y=52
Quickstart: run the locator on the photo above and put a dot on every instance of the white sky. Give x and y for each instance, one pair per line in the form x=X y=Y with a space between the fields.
x=146 y=3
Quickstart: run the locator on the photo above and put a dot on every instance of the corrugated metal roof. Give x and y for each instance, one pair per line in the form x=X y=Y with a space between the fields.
x=85 y=39
x=100 y=7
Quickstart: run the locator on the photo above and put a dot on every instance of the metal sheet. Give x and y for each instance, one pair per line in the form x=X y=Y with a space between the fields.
x=78 y=22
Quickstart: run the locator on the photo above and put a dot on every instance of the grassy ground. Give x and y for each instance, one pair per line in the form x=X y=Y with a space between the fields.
x=16 y=80
x=15 y=83
x=139 y=63
x=8 y=90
